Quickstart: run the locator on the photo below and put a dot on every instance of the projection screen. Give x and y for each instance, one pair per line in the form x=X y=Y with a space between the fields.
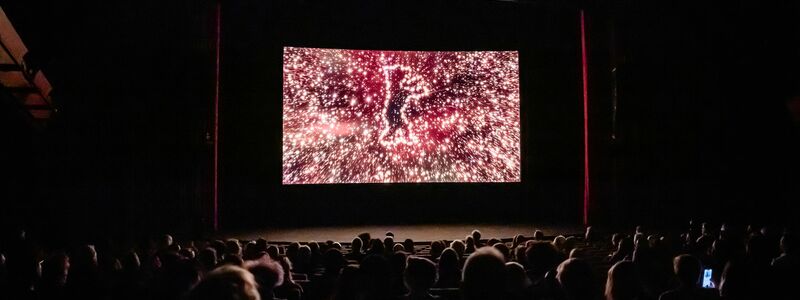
x=368 y=116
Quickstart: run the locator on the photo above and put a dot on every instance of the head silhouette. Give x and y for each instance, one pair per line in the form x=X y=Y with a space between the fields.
x=419 y=275
x=542 y=257
x=516 y=278
x=623 y=282
x=484 y=275
x=333 y=261
x=476 y=235
x=538 y=235
x=408 y=246
x=226 y=283
x=436 y=248
x=576 y=278
x=356 y=245
x=459 y=246
x=268 y=274
x=687 y=268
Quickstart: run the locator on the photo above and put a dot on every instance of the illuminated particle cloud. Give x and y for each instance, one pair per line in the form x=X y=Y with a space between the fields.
x=352 y=116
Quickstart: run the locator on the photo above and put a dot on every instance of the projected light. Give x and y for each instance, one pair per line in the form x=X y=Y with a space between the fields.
x=352 y=116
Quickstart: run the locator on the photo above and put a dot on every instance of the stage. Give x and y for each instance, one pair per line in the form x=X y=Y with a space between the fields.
x=418 y=233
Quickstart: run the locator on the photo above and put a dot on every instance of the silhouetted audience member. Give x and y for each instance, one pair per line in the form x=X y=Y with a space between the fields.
x=436 y=249
x=569 y=244
x=356 y=252
x=219 y=247
x=576 y=278
x=233 y=248
x=517 y=281
x=419 y=277
x=261 y=245
x=484 y=275
x=3 y=273
x=624 y=251
x=448 y=269
x=233 y=260
x=408 y=246
x=21 y=264
x=503 y=250
x=289 y=289
x=84 y=280
x=273 y=251
x=376 y=247
x=366 y=238
x=786 y=268
x=538 y=235
x=54 y=277
x=518 y=240
x=226 y=283
x=469 y=244
x=164 y=242
x=176 y=277
x=519 y=255
x=616 y=238
x=459 y=246
x=688 y=269
x=388 y=244
x=578 y=253
x=623 y=282
x=302 y=262
x=133 y=283
x=476 y=237
x=268 y=275
x=397 y=263
x=316 y=252
x=374 y=281
x=542 y=257
x=208 y=259
x=348 y=284
x=188 y=253
x=558 y=242
x=589 y=236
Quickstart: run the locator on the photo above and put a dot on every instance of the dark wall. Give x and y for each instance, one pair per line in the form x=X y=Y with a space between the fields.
x=126 y=153
x=701 y=128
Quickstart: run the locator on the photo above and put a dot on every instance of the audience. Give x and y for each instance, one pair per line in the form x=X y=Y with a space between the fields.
x=759 y=263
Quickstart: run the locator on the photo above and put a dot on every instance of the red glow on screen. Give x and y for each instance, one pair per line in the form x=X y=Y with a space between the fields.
x=365 y=116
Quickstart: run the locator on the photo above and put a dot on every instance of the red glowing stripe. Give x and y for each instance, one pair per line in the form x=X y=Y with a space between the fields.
x=215 y=185
x=585 y=74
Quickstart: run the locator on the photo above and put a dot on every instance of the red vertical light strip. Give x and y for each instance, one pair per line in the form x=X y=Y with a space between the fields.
x=585 y=71
x=215 y=184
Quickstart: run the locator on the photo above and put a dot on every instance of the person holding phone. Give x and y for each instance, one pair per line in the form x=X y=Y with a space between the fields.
x=688 y=271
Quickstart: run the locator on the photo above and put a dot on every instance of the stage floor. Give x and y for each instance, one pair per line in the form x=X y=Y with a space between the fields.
x=427 y=232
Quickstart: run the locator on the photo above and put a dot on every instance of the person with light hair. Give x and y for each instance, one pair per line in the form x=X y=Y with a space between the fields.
x=226 y=283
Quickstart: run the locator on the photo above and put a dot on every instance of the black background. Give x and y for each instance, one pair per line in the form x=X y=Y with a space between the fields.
x=701 y=126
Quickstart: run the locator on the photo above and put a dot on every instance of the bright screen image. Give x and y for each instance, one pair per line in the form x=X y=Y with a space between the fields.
x=366 y=116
